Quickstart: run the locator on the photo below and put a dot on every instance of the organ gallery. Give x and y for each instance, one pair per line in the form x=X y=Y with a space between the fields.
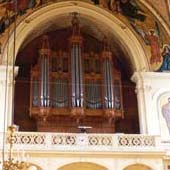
x=82 y=87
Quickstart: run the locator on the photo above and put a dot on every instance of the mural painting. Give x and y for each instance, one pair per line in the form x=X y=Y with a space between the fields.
x=165 y=66
x=166 y=113
x=147 y=28
x=8 y=8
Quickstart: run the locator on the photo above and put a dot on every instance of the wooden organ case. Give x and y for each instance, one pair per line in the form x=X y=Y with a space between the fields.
x=71 y=88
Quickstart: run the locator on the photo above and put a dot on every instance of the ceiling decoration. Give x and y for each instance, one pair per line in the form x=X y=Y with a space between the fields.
x=133 y=13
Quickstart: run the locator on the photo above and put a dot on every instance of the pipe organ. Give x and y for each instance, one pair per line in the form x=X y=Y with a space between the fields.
x=75 y=85
x=76 y=70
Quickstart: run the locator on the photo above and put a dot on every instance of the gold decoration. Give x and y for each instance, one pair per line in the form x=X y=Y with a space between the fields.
x=11 y=163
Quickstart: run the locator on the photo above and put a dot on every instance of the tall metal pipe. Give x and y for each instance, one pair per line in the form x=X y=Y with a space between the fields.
x=107 y=73
x=76 y=64
x=44 y=74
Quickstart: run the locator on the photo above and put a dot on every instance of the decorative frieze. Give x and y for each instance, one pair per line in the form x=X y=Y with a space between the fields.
x=76 y=141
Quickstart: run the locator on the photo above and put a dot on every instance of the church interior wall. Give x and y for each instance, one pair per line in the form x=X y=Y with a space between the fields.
x=151 y=87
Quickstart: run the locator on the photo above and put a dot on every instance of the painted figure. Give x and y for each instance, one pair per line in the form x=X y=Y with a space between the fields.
x=103 y=3
x=8 y=7
x=96 y=2
x=130 y=9
x=166 y=59
x=22 y=5
x=31 y=4
x=2 y=25
x=166 y=113
x=153 y=40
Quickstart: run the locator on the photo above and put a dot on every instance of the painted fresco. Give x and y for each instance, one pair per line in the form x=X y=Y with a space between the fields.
x=147 y=28
x=164 y=115
x=8 y=8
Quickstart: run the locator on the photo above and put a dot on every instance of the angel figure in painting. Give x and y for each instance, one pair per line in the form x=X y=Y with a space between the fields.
x=153 y=40
x=130 y=9
x=166 y=59
x=166 y=113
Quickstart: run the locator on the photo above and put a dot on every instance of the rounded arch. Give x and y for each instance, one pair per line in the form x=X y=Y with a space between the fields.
x=82 y=166
x=33 y=166
x=121 y=32
x=138 y=167
x=156 y=14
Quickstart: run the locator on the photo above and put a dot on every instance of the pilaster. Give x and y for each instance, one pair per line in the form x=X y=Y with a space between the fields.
x=6 y=87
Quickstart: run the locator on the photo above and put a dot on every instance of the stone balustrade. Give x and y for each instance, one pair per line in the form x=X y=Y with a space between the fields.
x=51 y=142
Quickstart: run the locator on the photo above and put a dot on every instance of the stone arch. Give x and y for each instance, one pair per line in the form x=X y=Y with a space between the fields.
x=33 y=166
x=138 y=167
x=82 y=166
x=156 y=14
x=122 y=32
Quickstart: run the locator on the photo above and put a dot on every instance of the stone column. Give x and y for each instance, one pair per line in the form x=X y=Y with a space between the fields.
x=6 y=86
x=141 y=102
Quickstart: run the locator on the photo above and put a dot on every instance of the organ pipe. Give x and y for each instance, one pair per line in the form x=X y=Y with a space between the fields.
x=107 y=73
x=35 y=93
x=76 y=64
x=67 y=95
x=44 y=73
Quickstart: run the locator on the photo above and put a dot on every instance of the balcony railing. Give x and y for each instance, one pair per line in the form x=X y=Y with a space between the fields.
x=35 y=141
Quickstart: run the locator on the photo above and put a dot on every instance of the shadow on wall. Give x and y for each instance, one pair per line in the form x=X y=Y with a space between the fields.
x=82 y=166
x=137 y=167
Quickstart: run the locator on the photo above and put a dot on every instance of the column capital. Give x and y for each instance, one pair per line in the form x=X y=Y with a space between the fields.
x=6 y=72
x=154 y=79
x=142 y=80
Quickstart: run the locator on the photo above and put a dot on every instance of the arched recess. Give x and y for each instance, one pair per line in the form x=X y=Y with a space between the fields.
x=82 y=166
x=115 y=27
x=34 y=167
x=124 y=35
x=137 y=167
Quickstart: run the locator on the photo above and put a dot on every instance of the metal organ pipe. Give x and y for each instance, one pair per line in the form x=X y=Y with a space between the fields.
x=77 y=86
x=73 y=78
x=108 y=80
x=77 y=75
x=35 y=93
x=44 y=81
x=76 y=65
x=108 y=84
